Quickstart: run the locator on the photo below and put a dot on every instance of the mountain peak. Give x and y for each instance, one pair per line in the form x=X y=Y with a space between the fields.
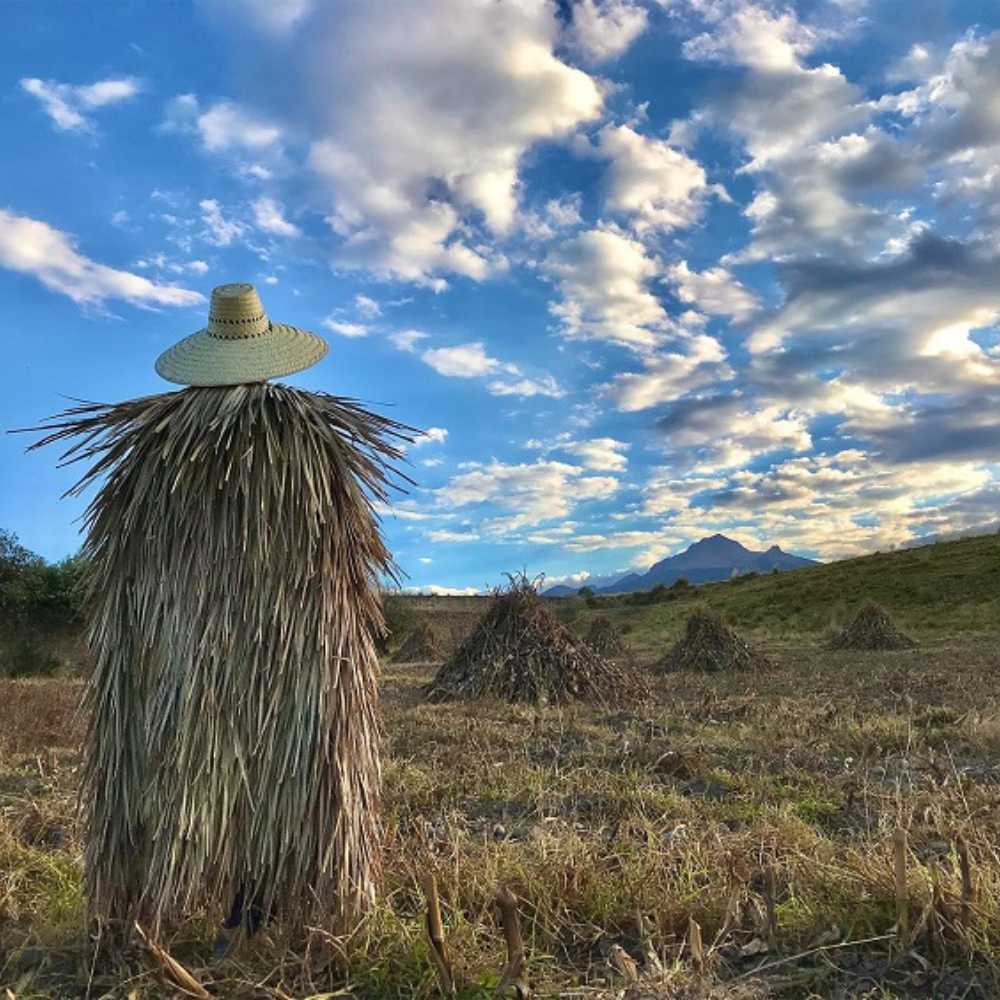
x=715 y=557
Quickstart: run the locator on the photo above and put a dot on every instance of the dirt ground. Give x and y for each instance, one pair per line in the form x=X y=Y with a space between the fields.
x=768 y=810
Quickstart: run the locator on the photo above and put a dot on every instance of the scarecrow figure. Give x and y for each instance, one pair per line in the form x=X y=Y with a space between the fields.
x=232 y=749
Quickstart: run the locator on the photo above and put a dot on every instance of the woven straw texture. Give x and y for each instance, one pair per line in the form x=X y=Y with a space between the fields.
x=233 y=736
x=205 y=360
x=239 y=344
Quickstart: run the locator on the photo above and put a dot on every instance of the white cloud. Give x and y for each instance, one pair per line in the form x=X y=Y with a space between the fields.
x=276 y=17
x=344 y=328
x=604 y=29
x=602 y=277
x=269 y=215
x=605 y=453
x=416 y=134
x=619 y=540
x=120 y=218
x=445 y=535
x=219 y=231
x=714 y=291
x=696 y=361
x=404 y=510
x=650 y=182
x=31 y=247
x=441 y=591
x=471 y=361
x=66 y=104
x=463 y=361
x=433 y=435
x=197 y=266
x=367 y=307
x=407 y=340
x=226 y=126
x=535 y=492
x=545 y=385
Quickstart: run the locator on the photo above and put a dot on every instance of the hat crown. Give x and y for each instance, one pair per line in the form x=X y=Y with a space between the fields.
x=236 y=313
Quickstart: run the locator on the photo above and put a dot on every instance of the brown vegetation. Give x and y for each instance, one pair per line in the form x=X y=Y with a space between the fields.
x=605 y=638
x=709 y=644
x=761 y=807
x=872 y=628
x=519 y=652
x=424 y=643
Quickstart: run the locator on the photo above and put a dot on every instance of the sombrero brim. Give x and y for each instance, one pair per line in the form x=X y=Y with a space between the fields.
x=202 y=359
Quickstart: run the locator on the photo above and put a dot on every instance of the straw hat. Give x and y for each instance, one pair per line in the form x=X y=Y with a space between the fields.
x=240 y=344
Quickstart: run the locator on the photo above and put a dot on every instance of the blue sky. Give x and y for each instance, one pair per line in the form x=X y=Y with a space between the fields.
x=645 y=271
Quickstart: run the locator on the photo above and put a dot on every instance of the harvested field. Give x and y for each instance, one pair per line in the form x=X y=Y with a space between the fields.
x=762 y=805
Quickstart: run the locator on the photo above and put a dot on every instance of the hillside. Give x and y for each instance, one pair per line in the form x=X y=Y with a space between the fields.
x=937 y=590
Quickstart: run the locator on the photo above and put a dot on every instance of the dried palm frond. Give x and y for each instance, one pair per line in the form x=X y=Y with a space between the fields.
x=710 y=644
x=233 y=737
x=872 y=628
x=520 y=652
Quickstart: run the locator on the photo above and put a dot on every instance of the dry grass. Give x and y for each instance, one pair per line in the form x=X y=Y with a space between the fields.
x=762 y=806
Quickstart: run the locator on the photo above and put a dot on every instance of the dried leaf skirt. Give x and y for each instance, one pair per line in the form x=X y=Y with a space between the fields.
x=233 y=733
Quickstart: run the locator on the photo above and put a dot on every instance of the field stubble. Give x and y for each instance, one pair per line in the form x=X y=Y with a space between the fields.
x=762 y=807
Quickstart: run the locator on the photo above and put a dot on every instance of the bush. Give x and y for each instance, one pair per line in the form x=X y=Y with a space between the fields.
x=399 y=619
x=26 y=658
x=29 y=585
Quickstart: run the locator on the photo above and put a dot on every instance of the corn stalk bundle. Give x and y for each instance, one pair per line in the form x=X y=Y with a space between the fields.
x=872 y=628
x=520 y=653
x=234 y=733
x=423 y=644
x=710 y=644
x=605 y=638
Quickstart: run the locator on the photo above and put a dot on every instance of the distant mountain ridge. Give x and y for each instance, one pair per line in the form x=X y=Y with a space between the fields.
x=710 y=559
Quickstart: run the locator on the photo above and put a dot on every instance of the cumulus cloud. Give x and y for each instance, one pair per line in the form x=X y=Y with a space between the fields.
x=471 y=361
x=433 y=435
x=444 y=535
x=344 y=327
x=269 y=215
x=223 y=127
x=417 y=134
x=463 y=361
x=697 y=361
x=35 y=248
x=67 y=104
x=650 y=182
x=603 y=29
x=407 y=340
x=534 y=492
x=367 y=307
x=726 y=431
x=714 y=291
x=780 y=103
x=219 y=230
x=603 y=453
x=603 y=278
